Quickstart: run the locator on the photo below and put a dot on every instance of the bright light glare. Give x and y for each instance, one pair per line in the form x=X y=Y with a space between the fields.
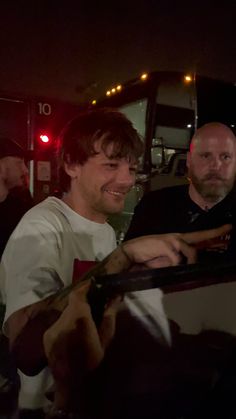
x=44 y=138
x=144 y=76
x=188 y=78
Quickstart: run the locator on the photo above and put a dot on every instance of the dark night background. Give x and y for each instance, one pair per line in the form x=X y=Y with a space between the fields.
x=75 y=50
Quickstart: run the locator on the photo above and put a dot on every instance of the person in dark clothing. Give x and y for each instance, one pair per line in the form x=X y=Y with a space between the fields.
x=172 y=209
x=15 y=198
x=15 y=201
x=12 y=209
x=207 y=202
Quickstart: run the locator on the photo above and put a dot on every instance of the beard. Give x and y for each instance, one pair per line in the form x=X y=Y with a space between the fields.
x=17 y=182
x=212 y=191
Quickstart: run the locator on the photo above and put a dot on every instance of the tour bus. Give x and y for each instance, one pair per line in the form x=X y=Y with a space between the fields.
x=166 y=108
x=35 y=123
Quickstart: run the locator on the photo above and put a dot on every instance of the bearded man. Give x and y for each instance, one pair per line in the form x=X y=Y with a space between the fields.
x=209 y=199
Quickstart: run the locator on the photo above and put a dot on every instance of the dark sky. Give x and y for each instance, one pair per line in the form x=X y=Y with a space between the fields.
x=70 y=50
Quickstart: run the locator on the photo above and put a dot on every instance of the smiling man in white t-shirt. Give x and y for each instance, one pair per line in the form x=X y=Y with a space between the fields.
x=98 y=154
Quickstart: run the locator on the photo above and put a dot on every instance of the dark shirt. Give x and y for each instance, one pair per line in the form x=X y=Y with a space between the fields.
x=171 y=210
x=17 y=203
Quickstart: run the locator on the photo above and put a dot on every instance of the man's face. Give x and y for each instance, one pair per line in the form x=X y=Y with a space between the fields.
x=100 y=185
x=212 y=166
x=14 y=172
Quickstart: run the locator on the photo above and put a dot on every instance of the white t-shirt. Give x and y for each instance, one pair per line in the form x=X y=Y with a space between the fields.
x=38 y=261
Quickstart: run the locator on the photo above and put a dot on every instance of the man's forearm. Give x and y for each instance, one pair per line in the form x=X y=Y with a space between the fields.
x=116 y=262
x=28 y=347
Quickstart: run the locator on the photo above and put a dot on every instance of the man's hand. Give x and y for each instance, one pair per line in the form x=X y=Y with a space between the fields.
x=162 y=250
x=74 y=347
x=202 y=239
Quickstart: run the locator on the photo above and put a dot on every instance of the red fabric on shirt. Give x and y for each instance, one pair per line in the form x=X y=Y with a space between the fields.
x=81 y=267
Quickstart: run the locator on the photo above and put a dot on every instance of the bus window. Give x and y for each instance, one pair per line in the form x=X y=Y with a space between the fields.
x=174 y=92
x=174 y=115
x=174 y=125
x=136 y=113
x=177 y=138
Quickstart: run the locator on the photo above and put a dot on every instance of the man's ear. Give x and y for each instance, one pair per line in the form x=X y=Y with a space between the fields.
x=72 y=169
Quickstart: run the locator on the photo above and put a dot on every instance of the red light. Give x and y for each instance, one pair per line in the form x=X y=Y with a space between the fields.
x=44 y=138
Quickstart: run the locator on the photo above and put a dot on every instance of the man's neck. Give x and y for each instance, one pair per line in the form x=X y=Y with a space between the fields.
x=202 y=202
x=82 y=210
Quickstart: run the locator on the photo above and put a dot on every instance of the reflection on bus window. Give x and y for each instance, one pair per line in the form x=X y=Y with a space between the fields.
x=175 y=107
x=136 y=113
x=174 y=125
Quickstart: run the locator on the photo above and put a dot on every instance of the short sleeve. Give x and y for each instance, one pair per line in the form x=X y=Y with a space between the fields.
x=30 y=265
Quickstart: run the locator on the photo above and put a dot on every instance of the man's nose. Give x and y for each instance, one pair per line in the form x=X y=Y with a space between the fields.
x=126 y=177
x=215 y=163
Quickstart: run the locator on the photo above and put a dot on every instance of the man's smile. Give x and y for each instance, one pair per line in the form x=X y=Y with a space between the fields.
x=115 y=193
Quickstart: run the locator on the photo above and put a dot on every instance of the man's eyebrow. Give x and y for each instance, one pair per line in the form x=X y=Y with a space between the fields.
x=131 y=159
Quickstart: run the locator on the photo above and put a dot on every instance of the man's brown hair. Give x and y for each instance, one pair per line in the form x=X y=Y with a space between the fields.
x=77 y=140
